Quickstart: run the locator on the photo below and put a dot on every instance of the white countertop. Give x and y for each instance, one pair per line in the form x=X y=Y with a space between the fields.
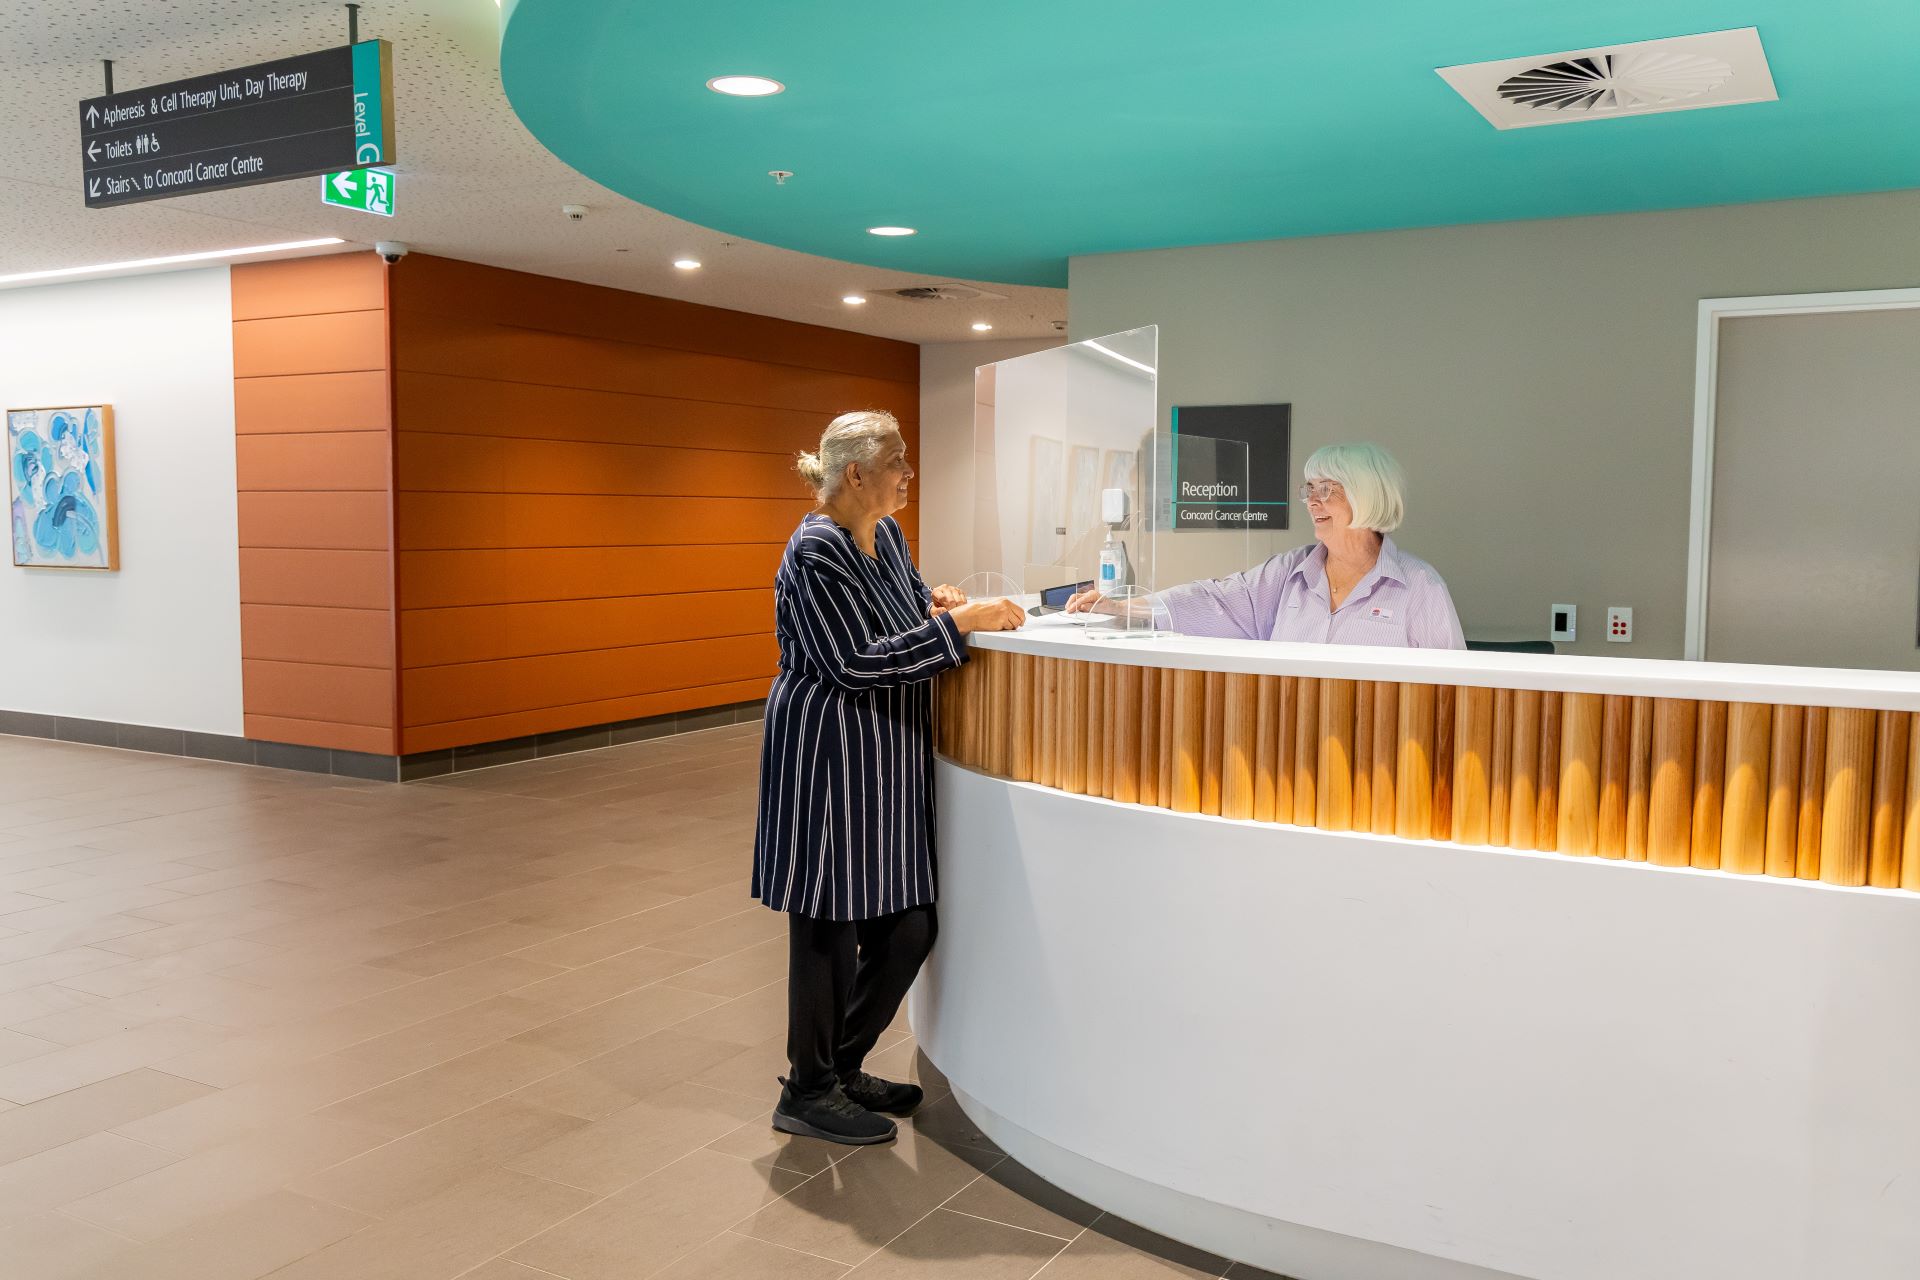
x=1652 y=677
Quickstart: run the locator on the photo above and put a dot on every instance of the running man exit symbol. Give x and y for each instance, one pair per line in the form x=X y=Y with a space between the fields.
x=369 y=190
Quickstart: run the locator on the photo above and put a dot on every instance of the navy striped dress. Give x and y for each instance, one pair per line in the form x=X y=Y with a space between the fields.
x=846 y=771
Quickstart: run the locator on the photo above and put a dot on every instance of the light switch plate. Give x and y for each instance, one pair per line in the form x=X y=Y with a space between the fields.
x=1560 y=623
x=1619 y=624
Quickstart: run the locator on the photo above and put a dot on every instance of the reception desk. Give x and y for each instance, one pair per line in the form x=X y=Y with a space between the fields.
x=1361 y=963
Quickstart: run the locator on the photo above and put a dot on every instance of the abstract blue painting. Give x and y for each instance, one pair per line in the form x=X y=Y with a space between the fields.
x=60 y=488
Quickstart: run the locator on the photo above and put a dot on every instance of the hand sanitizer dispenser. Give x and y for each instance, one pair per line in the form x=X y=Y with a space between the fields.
x=1116 y=571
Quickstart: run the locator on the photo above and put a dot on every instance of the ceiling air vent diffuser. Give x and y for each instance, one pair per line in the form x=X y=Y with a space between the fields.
x=1719 y=69
x=937 y=293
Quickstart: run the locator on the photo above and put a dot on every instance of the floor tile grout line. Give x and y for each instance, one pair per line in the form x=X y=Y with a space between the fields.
x=1076 y=1240
x=592 y=1203
x=728 y=1228
x=62 y=1211
x=498 y=1257
x=980 y=1217
x=805 y=1253
x=978 y=1174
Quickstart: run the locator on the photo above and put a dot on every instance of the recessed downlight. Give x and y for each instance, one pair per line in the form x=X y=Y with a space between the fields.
x=687 y=264
x=981 y=326
x=854 y=300
x=745 y=86
x=890 y=231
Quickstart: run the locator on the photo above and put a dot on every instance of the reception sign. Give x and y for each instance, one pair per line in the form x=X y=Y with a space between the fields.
x=1232 y=466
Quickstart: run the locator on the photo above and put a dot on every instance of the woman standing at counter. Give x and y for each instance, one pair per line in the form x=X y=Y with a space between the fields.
x=845 y=836
x=1351 y=585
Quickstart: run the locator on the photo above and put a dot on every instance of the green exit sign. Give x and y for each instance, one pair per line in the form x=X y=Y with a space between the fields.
x=368 y=190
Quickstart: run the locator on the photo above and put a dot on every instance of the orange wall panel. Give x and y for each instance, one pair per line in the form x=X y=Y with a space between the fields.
x=435 y=737
x=372 y=739
x=590 y=491
x=460 y=463
x=434 y=637
x=309 y=286
x=496 y=296
x=334 y=460
x=326 y=637
x=535 y=411
x=321 y=578
x=302 y=402
x=314 y=422
x=453 y=345
x=472 y=690
x=453 y=579
x=342 y=521
x=472 y=520
x=312 y=691
x=336 y=342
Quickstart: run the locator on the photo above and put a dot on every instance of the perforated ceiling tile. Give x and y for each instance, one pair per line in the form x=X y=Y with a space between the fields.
x=473 y=184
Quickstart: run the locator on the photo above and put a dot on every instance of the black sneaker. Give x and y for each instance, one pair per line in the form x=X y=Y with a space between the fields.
x=876 y=1094
x=832 y=1117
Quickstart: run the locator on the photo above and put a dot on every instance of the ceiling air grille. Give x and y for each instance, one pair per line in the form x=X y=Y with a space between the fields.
x=1616 y=81
x=1718 y=69
x=935 y=293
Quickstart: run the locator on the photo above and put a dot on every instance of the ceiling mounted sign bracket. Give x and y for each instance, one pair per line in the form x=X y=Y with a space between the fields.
x=108 y=64
x=353 y=26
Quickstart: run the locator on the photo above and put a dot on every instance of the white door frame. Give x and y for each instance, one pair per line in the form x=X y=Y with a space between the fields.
x=1706 y=380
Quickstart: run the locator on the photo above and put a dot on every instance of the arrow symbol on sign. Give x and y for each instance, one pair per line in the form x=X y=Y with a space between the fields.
x=93 y=151
x=93 y=188
x=93 y=115
x=343 y=185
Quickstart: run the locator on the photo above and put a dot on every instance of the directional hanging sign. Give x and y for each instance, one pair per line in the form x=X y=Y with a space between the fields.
x=368 y=190
x=315 y=113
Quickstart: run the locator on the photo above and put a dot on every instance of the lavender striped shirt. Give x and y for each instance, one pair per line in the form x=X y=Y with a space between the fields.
x=1401 y=601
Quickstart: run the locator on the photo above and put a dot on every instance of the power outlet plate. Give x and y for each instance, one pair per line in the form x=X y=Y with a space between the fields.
x=1619 y=624
x=1561 y=623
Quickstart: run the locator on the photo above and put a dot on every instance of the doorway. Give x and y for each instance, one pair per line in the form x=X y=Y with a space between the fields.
x=1806 y=548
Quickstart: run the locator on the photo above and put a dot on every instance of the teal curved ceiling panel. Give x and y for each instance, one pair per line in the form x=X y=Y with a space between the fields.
x=1014 y=134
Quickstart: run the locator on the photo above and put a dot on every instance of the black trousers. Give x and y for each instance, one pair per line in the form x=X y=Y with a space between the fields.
x=845 y=981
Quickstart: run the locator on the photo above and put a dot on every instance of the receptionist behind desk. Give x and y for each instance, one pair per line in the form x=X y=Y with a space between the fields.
x=1352 y=585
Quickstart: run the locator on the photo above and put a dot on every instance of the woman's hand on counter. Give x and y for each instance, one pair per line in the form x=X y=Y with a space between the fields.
x=988 y=615
x=1117 y=606
x=944 y=598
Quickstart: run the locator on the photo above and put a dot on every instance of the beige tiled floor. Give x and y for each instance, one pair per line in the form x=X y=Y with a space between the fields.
x=511 y=1025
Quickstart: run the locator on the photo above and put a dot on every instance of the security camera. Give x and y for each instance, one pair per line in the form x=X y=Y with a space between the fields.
x=391 y=250
x=574 y=212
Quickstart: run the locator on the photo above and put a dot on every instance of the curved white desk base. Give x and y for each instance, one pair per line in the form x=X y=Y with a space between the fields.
x=1350 y=1057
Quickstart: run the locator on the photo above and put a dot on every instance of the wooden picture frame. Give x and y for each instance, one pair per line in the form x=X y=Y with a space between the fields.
x=72 y=447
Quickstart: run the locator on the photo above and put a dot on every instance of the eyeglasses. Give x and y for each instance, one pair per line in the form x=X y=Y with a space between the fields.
x=1321 y=491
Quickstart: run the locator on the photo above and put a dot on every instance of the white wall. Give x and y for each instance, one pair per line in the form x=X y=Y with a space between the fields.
x=946 y=449
x=157 y=643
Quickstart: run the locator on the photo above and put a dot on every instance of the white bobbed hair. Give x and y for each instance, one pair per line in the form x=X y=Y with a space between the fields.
x=1375 y=485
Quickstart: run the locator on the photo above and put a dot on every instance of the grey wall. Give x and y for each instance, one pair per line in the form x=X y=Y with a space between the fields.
x=946 y=449
x=1535 y=378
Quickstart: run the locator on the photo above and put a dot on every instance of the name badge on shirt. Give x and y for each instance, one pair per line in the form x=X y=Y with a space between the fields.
x=1379 y=612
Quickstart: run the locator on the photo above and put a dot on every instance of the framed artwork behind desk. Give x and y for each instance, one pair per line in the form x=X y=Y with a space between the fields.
x=60 y=488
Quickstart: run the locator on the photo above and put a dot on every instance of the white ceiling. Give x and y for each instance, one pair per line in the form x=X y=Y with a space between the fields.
x=473 y=183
